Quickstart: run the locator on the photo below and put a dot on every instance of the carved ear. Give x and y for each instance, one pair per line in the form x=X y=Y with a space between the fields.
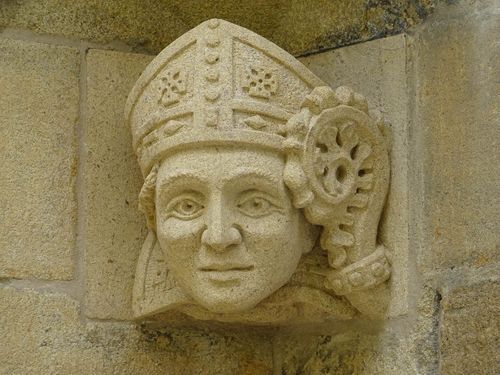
x=346 y=164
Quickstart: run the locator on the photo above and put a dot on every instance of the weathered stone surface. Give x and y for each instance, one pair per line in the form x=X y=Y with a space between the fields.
x=377 y=69
x=456 y=132
x=348 y=354
x=383 y=348
x=153 y=25
x=470 y=329
x=42 y=334
x=38 y=117
x=115 y=229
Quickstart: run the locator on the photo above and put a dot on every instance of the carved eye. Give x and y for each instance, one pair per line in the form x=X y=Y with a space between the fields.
x=255 y=204
x=185 y=208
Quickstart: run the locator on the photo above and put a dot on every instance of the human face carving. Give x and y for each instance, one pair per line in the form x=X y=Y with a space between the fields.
x=227 y=227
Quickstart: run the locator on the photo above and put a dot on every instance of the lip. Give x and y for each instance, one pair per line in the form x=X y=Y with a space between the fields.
x=226 y=267
x=225 y=274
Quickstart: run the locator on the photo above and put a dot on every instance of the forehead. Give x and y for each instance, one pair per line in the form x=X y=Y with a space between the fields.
x=223 y=162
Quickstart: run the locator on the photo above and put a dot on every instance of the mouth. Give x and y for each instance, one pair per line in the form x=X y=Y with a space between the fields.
x=226 y=274
x=226 y=267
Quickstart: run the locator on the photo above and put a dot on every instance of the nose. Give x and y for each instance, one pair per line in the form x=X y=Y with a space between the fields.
x=220 y=234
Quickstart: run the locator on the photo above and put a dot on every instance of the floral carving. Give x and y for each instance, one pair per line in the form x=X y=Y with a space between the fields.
x=260 y=82
x=173 y=86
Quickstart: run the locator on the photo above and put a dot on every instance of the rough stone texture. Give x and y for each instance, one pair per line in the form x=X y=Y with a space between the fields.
x=470 y=329
x=370 y=348
x=152 y=25
x=451 y=142
x=38 y=116
x=42 y=334
x=115 y=229
x=377 y=69
x=457 y=132
x=210 y=117
x=350 y=354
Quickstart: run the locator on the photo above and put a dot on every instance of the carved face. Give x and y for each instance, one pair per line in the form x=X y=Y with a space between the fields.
x=227 y=227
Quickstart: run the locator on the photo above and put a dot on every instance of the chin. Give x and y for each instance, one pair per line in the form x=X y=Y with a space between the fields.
x=228 y=303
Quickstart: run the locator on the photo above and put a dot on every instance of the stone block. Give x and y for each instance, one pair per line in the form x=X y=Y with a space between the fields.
x=43 y=334
x=377 y=69
x=38 y=162
x=456 y=135
x=408 y=347
x=153 y=25
x=470 y=329
x=115 y=229
x=352 y=354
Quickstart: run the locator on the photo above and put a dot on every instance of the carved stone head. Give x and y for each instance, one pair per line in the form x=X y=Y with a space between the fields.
x=263 y=187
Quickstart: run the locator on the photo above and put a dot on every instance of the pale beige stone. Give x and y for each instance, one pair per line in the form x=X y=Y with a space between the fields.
x=43 y=334
x=38 y=163
x=295 y=25
x=470 y=329
x=378 y=69
x=457 y=133
x=223 y=122
x=114 y=229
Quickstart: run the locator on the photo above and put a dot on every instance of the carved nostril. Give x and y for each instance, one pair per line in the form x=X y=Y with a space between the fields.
x=221 y=240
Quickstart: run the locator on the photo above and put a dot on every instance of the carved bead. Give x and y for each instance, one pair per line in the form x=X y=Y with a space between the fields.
x=356 y=279
x=211 y=117
x=212 y=94
x=212 y=75
x=213 y=41
x=212 y=58
x=213 y=23
x=378 y=269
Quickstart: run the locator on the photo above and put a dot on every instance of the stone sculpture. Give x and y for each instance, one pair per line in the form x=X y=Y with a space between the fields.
x=263 y=186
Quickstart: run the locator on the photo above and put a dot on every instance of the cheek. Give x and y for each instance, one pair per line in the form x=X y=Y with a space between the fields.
x=266 y=227
x=178 y=238
x=272 y=237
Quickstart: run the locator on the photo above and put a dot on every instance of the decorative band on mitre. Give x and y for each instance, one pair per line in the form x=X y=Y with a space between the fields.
x=152 y=152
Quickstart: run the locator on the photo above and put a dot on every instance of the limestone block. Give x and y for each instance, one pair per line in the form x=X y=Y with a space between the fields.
x=287 y=23
x=377 y=69
x=38 y=163
x=408 y=347
x=114 y=227
x=43 y=334
x=470 y=329
x=351 y=354
x=457 y=132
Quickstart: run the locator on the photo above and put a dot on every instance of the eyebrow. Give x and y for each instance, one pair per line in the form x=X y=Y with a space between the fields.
x=243 y=173
x=171 y=179
x=235 y=175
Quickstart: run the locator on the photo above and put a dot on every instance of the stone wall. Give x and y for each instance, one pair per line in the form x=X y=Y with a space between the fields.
x=70 y=231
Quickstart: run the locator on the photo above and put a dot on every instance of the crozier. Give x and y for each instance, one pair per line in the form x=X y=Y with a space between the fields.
x=263 y=187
